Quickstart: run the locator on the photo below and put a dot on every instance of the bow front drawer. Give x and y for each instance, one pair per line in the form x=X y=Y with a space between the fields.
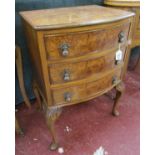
x=75 y=44
x=67 y=72
x=87 y=90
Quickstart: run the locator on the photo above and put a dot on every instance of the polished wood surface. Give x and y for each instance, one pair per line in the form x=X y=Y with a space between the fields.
x=91 y=41
x=19 y=69
x=83 y=69
x=87 y=89
x=73 y=51
x=129 y=3
x=73 y=16
x=119 y=91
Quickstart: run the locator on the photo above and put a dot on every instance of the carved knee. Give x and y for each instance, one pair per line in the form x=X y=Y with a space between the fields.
x=52 y=114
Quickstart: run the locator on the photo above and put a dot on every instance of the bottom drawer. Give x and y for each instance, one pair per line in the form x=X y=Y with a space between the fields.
x=103 y=84
x=84 y=91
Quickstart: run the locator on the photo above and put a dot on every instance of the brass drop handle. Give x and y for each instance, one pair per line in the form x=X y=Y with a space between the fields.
x=64 y=49
x=67 y=97
x=114 y=79
x=121 y=37
x=66 y=76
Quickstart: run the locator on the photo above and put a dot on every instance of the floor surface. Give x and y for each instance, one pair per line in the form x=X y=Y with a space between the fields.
x=90 y=125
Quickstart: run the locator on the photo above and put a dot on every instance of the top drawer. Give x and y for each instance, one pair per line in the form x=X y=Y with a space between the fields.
x=60 y=46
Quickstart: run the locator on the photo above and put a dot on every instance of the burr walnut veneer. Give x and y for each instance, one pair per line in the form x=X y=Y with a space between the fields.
x=73 y=51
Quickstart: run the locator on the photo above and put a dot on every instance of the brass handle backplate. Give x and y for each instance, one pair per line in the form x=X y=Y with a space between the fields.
x=64 y=49
x=66 y=76
x=114 y=79
x=121 y=37
x=67 y=97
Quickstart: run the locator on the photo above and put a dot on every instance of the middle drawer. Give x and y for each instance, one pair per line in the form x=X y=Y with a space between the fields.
x=68 y=72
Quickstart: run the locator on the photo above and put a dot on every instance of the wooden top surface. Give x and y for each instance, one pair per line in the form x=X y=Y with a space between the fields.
x=73 y=16
x=122 y=2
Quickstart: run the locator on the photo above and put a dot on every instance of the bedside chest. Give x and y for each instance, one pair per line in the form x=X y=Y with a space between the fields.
x=78 y=53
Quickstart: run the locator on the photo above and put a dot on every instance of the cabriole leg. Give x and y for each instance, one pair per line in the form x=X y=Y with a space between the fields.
x=18 y=128
x=119 y=91
x=37 y=95
x=52 y=114
x=19 y=68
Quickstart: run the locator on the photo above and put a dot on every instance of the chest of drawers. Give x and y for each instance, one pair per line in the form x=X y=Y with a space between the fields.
x=73 y=52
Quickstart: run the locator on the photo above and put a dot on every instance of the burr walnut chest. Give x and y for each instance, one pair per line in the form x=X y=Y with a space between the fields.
x=78 y=53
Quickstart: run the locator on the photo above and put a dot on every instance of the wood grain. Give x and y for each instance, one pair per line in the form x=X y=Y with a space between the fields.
x=84 y=69
x=84 y=42
x=19 y=69
x=72 y=17
x=93 y=36
x=128 y=3
x=85 y=90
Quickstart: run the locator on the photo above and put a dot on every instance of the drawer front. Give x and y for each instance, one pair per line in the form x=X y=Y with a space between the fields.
x=60 y=46
x=68 y=72
x=60 y=73
x=68 y=95
x=85 y=91
x=104 y=83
